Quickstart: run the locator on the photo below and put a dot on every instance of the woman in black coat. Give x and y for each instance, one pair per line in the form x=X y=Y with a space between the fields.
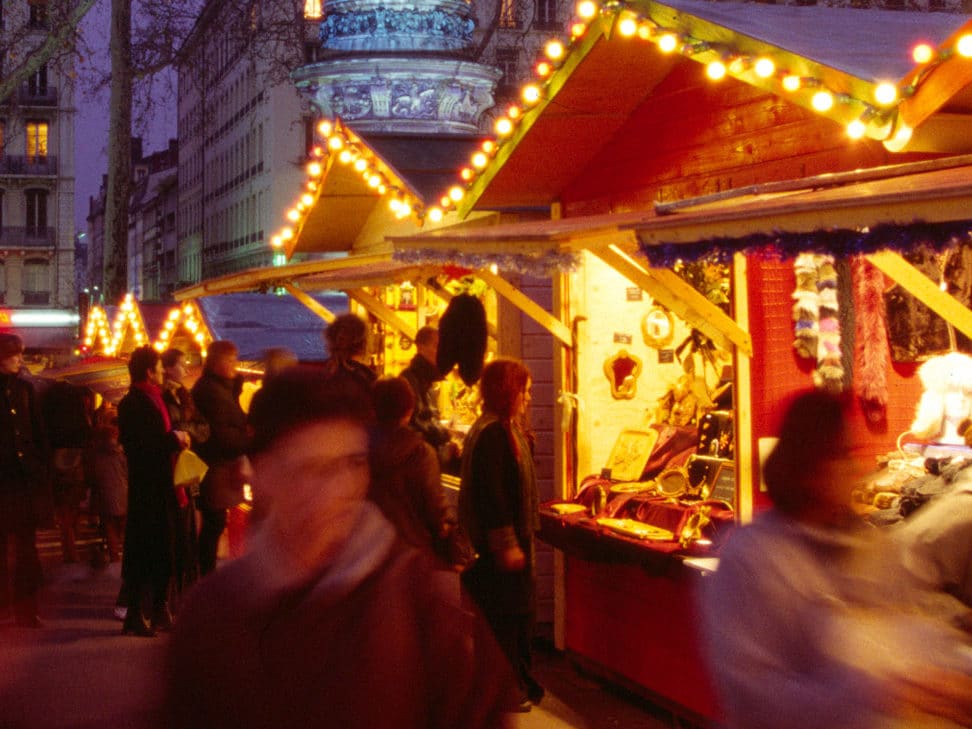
x=498 y=510
x=150 y=444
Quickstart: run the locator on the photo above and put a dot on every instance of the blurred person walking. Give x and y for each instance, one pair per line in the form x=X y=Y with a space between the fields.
x=150 y=444
x=217 y=397
x=185 y=416
x=26 y=502
x=329 y=620
x=811 y=621
x=498 y=510
x=347 y=346
x=110 y=484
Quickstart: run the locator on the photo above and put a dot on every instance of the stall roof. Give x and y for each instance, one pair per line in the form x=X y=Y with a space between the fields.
x=256 y=322
x=346 y=206
x=605 y=79
x=938 y=191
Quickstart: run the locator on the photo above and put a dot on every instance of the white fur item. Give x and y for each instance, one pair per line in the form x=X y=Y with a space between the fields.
x=947 y=374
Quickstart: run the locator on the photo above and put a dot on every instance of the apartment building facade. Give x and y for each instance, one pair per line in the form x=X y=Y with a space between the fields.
x=36 y=171
x=243 y=139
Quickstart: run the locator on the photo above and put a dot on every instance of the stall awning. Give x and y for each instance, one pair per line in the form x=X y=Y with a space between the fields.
x=592 y=108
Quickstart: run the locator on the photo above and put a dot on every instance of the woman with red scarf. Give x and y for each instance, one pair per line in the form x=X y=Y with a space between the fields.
x=150 y=443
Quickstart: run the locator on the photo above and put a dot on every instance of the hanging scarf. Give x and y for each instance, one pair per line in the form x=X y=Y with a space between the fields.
x=154 y=393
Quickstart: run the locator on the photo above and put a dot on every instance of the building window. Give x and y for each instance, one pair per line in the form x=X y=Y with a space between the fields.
x=36 y=141
x=509 y=16
x=37 y=83
x=36 y=212
x=312 y=9
x=37 y=13
x=3 y=283
x=3 y=135
x=506 y=62
x=37 y=282
x=546 y=14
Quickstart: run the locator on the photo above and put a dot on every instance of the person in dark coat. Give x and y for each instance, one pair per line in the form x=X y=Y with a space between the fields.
x=498 y=511
x=405 y=480
x=217 y=397
x=185 y=416
x=347 y=346
x=422 y=374
x=150 y=445
x=329 y=620
x=26 y=501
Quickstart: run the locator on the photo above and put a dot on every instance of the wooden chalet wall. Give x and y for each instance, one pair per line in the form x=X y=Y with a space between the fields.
x=694 y=137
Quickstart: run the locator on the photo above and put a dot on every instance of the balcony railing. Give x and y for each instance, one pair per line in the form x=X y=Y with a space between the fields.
x=18 y=164
x=37 y=298
x=37 y=96
x=23 y=237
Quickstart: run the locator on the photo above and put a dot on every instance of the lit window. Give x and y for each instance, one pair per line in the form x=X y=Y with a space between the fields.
x=36 y=140
x=312 y=8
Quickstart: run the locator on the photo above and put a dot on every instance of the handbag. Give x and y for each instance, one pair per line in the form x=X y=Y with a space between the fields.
x=189 y=470
x=222 y=487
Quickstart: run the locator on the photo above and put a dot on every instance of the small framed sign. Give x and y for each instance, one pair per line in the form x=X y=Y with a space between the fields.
x=621 y=338
x=724 y=484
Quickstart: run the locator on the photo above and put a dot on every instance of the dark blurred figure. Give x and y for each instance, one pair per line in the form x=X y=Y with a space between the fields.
x=68 y=413
x=498 y=510
x=109 y=471
x=150 y=445
x=329 y=620
x=422 y=374
x=217 y=396
x=185 y=416
x=810 y=621
x=405 y=479
x=347 y=345
x=25 y=496
x=276 y=360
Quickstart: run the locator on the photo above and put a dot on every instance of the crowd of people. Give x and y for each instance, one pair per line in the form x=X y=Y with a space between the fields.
x=355 y=558
x=364 y=599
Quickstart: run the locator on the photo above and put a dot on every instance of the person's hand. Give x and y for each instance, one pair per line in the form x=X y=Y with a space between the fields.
x=511 y=559
x=183 y=438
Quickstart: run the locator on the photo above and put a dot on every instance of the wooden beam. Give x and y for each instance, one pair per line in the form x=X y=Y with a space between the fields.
x=742 y=397
x=915 y=282
x=382 y=311
x=673 y=292
x=527 y=305
x=310 y=302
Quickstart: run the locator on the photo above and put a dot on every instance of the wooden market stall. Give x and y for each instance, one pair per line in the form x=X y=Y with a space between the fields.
x=681 y=184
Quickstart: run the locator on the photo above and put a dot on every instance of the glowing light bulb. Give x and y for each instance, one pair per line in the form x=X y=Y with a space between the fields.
x=922 y=53
x=335 y=143
x=345 y=156
x=822 y=101
x=765 y=67
x=445 y=201
x=287 y=233
x=466 y=174
x=489 y=146
x=645 y=30
x=964 y=46
x=360 y=164
x=480 y=160
x=503 y=126
x=668 y=42
x=628 y=26
x=554 y=49
x=791 y=82
x=435 y=215
x=374 y=180
x=293 y=215
x=324 y=128
x=456 y=193
x=577 y=30
x=311 y=185
x=513 y=111
x=716 y=70
x=314 y=169
x=586 y=9
x=543 y=69
x=856 y=129
x=276 y=241
x=885 y=93
x=308 y=200
x=530 y=94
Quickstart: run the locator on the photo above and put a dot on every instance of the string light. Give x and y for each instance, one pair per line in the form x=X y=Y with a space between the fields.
x=885 y=93
x=586 y=9
x=764 y=68
x=964 y=46
x=856 y=129
x=822 y=101
x=922 y=53
x=667 y=42
x=716 y=70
